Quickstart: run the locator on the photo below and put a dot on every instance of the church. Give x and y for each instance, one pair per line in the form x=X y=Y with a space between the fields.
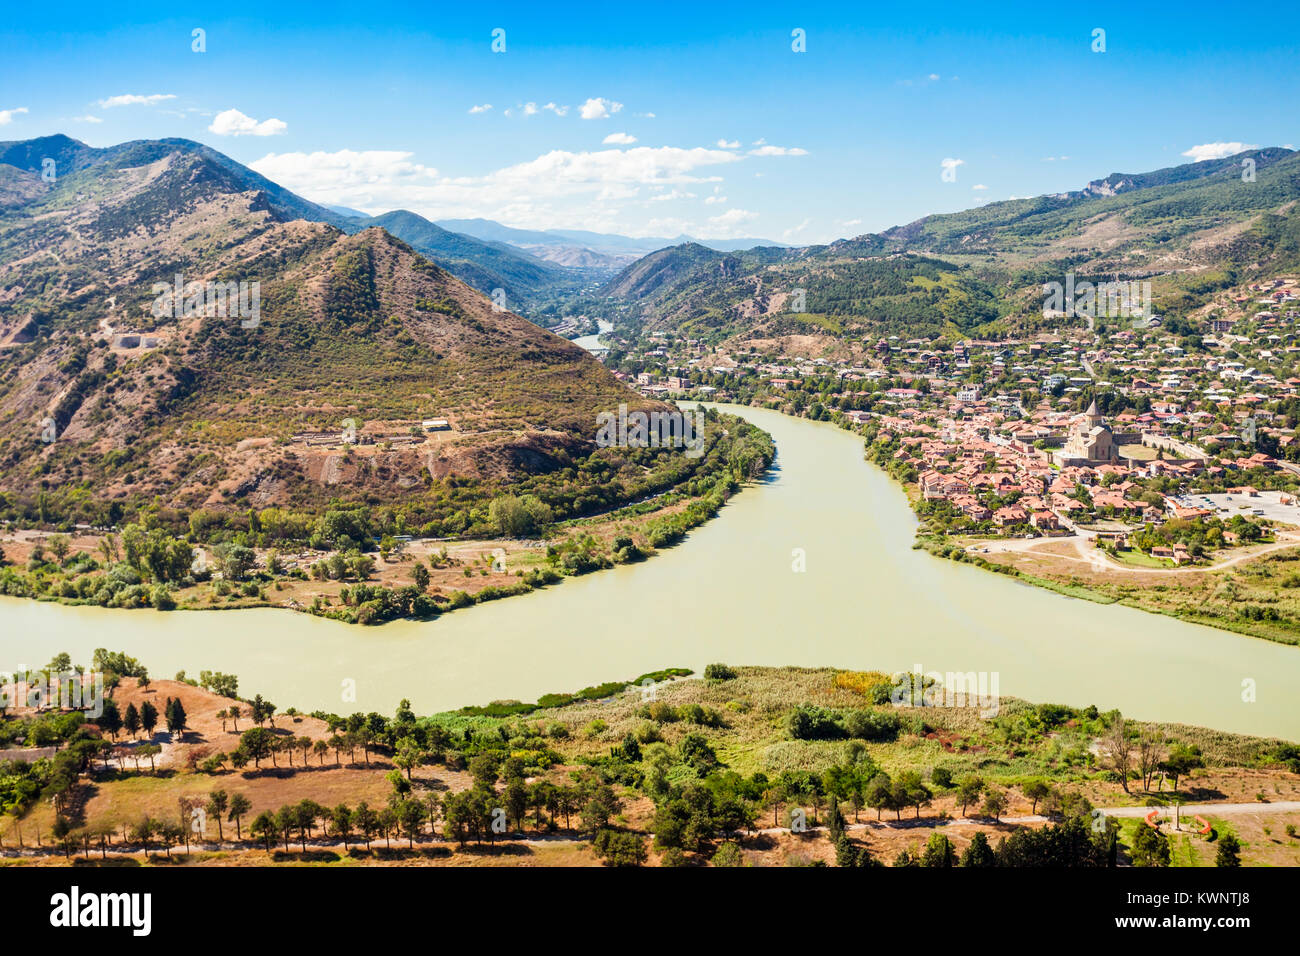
x=1090 y=443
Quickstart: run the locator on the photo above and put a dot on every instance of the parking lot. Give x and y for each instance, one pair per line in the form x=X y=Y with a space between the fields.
x=1266 y=504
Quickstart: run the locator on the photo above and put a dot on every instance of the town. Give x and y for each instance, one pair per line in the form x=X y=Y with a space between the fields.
x=1156 y=442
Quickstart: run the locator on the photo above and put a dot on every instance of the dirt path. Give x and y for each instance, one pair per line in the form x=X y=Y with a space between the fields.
x=1100 y=560
x=1186 y=813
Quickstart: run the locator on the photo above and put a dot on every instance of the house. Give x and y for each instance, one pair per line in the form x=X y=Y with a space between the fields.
x=1011 y=514
x=435 y=425
x=1044 y=521
x=935 y=485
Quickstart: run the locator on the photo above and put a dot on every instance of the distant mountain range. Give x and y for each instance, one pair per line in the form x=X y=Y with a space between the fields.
x=609 y=243
x=1193 y=229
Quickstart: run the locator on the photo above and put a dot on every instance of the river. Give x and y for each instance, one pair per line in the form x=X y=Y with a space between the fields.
x=728 y=593
x=592 y=342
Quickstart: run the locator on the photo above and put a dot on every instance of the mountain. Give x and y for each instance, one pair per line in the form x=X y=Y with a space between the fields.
x=72 y=156
x=111 y=398
x=1193 y=229
x=528 y=281
x=347 y=211
x=484 y=265
x=610 y=244
x=1167 y=219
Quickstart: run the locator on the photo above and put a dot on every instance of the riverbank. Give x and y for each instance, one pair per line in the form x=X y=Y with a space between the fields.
x=416 y=579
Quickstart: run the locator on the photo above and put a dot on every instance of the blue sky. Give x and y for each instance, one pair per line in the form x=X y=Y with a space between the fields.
x=664 y=118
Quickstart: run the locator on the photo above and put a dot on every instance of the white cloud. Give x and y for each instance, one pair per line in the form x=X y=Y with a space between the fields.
x=557 y=110
x=1053 y=159
x=951 y=163
x=979 y=186
x=599 y=108
x=1216 y=150
x=619 y=139
x=86 y=119
x=724 y=144
x=559 y=188
x=795 y=230
x=7 y=116
x=481 y=108
x=235 y=123
x=934 y=77
x=726 y=225
x=134 y=99
x=778 y=151
x=672 y=194
x=849 y=223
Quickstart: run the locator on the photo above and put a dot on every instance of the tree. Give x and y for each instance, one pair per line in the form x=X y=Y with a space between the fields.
x=969 y=787
x=408 y=755
x=1150 y=847
x=1149 y=757
x=1035 y=790
x=918 y=794
x=880 y=793
x=366 y=822
x=131 y=721
x=148 y=717
x=341 y=821
x=218 y=801
x=60 y=544
x=150 y=751
x=1229 y=852
x=978 y=852
x=143 y=832
x=516 y=800
x=256 y=743
x=286 y=818
x=174 y=713
x=939 y=852
x=619 y=848
x=265 y=828
x=1119 y=751
x=420 y=575
x=305 y=815
x=995 y=803
x=234 y=560
x=110 y=720
x=239 y=805
x=1182 y=760
x=234 y=712
x=388 y=824
x=410 y=814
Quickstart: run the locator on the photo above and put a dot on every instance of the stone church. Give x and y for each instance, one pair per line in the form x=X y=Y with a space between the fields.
x=1090 y=443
